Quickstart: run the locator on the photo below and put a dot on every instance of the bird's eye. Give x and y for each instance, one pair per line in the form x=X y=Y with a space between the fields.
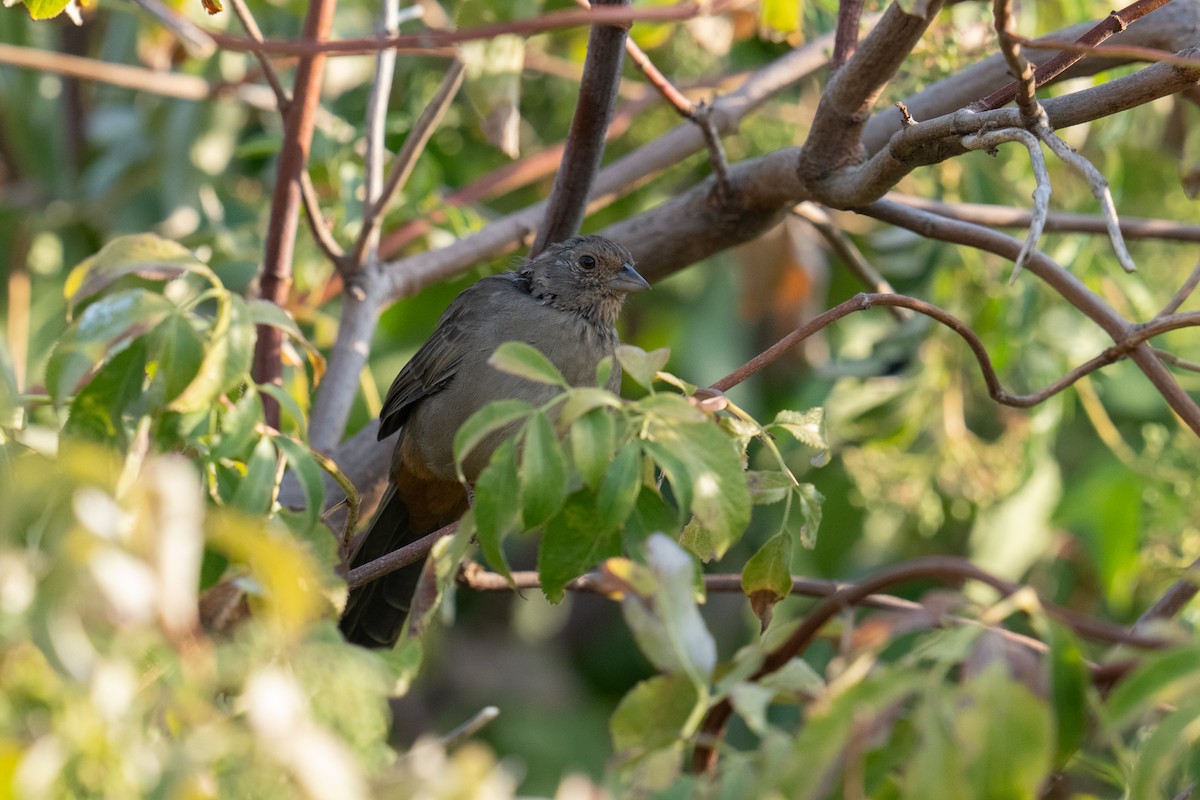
x=587 y=262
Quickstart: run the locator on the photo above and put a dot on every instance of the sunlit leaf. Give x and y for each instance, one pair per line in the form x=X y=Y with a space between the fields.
x=103 y=327
x=145 y=255
x=640 y=365
x=264 y=312
x=655 y=714
x=227 y=360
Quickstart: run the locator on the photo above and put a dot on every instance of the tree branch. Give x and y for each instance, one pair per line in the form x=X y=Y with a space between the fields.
x=585 y=142
x=275 y=278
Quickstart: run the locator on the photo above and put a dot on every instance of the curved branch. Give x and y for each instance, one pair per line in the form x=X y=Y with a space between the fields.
x=944 y=569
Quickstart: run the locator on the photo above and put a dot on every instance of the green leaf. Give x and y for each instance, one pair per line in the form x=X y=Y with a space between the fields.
x=103 y=327
x=706 y=474
x=288 y=404
x=45 y=9
x=779 y=19
x=238 y=425
x=767 y=576
x=804 y=514
x=750 y=702
x=311 y=478
x=543 y=473
x=620 y=489
x=670 y=408
x=667 y=625
x=179 y=351
x=657 y=713
x=497 y=510
x=1163 y=751
x=604 y=373
x=264 y=312
x=592 y=445
x=486 y=421
x=808 y=427
x=227 y=360
x=525 y=361
x=652 y=514
x=1168 y=677
x=1069 y=680
x=98 y=409
x=584 y=400
x=145 y=255
x=256 y=490
x=768 y=486
x=1008 y=735
x=571 y=545
x=640 y=365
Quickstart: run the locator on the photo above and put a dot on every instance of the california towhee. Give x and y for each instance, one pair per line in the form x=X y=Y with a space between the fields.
x=565 y=303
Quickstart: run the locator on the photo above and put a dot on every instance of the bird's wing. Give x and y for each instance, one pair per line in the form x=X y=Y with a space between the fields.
x=437 y=361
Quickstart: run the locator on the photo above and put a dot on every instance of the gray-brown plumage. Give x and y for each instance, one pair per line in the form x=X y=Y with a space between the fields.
x=565 y=303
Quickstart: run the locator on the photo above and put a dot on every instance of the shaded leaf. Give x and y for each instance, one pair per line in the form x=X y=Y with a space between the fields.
x=543 y=472
x=804 y=514
x=592 y=438
x=256 y=490
x=264 y=312
x=620 y=489
x=655 y=714
x=571 y=545
x=767 y=576
x=497 y=507
x=768 y=486
x=525 y=361
x=179 y=351
x=488 y=420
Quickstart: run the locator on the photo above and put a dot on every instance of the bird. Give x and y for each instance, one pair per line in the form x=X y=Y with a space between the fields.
x=564 y=302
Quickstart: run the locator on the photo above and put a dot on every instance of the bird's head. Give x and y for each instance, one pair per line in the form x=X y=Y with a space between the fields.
x=589 y=275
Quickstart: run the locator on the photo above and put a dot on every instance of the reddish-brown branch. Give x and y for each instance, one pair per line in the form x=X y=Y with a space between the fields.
x=943 y=569
x=427 y=42
x=275 y=278
x=1114 y=23
x=863 y=302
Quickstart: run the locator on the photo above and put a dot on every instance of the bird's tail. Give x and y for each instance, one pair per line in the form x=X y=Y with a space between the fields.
x=375 y=612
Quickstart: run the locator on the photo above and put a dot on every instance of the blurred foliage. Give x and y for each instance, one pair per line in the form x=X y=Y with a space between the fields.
x=113 y=688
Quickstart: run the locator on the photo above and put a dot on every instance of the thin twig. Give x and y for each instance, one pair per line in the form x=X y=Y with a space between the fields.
x=702 y=116
x=1022 y=70
x=198 y=43
x=1151 y=55
x=853 y=259
x=376 y=123
x=308 y=191
x=1184 y=292
x=1067 y=285
x=406 y=160
x=863 y=302
x=397 y=559
x=1056 y=221
x=1099 y=186
x=1116 y=22
x=1174 y=599
x=426 y=41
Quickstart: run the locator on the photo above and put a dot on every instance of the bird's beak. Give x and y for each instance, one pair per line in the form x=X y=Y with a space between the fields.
x=628 y=280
